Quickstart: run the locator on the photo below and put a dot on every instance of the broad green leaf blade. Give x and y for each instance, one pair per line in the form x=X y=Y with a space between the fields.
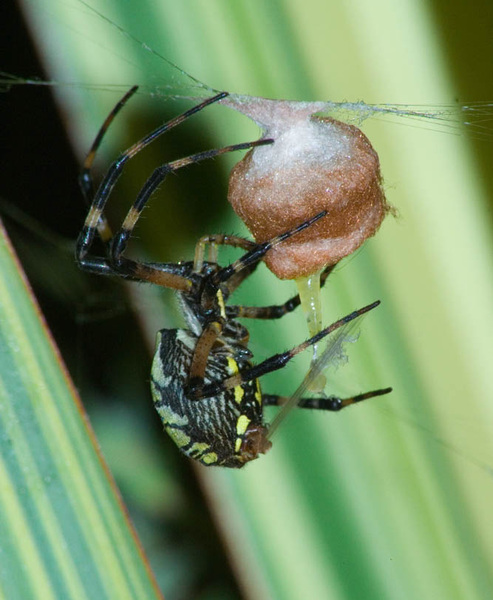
x=392 y=499
x=63 y=531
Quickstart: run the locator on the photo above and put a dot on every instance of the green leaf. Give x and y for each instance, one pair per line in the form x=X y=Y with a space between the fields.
x=63 y=531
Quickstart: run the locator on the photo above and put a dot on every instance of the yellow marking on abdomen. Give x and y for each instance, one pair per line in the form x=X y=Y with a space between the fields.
x=178 y=436
x=171 y=418
x=199 y=451
x=233 y=370
x=241 y=426
x=209 y=458
x=199 y=447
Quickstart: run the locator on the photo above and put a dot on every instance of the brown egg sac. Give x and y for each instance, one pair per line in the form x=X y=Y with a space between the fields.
x=314 y=164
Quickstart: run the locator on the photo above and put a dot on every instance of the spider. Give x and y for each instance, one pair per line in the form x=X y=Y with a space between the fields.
x=204 y=384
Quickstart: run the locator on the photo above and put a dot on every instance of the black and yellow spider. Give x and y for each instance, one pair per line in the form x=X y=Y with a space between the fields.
x=204 y=385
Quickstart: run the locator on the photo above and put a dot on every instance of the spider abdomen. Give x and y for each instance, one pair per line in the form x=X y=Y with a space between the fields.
x=216 y=430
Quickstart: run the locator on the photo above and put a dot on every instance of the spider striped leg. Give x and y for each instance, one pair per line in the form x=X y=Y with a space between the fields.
x=278 y=361
x=275 y=311
x=85 y=177
x=201 y=353
x=86 y=180
x=214 y=328
x=98 y=202
x=244 y=265
x=256 y=254
x=333 y=403
x=214 y=240
x=159 y=174
x=242 y=271
x=232 y=274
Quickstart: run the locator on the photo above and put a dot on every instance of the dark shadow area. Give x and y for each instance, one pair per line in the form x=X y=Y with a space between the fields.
x=467 y=41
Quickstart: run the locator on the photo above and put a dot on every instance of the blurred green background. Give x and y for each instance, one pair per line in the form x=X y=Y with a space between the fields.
x=391 y=499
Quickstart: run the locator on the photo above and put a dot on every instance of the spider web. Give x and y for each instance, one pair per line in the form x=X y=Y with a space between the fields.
x=330 y=359
x=165 y=79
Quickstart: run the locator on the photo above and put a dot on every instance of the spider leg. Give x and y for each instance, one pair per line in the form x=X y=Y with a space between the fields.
x=95 y=219
x=86 y=180
x=232 y=276
x=258 y=252
x=272 y=312
x=201 y=353
x=214 y=329
x=159 y=174
x=115 y=263
x=214 y=240
x=333 y=403
x=278 y=361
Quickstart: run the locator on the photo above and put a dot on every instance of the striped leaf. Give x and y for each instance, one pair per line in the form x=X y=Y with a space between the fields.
x=63 y=531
